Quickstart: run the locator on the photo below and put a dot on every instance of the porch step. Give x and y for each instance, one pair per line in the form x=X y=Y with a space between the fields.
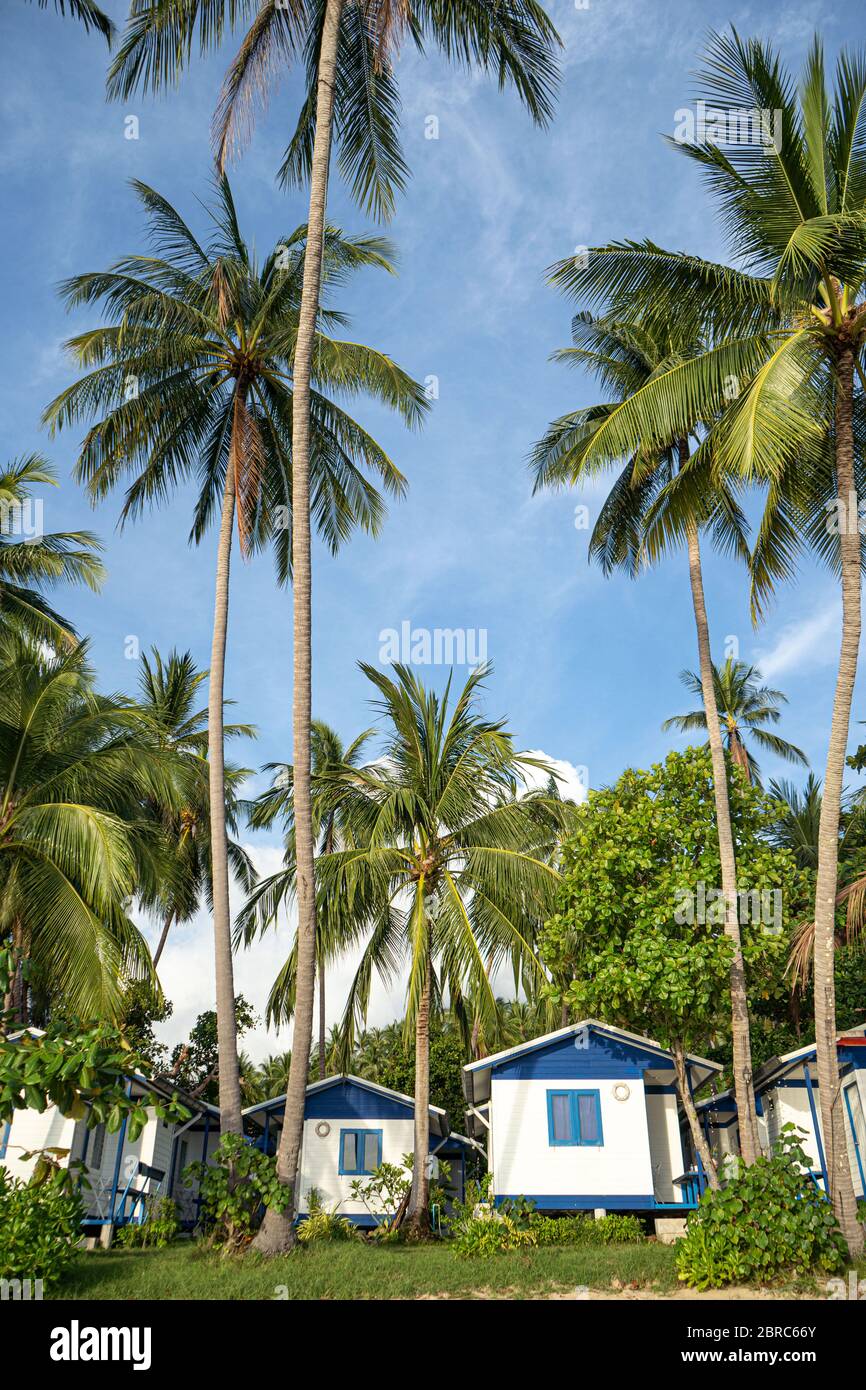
x=669 y=1228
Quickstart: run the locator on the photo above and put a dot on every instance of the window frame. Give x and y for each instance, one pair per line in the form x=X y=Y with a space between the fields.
x=576 y=1141
x=359 y=1150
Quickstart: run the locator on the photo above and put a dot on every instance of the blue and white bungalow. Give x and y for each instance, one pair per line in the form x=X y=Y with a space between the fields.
x=585 y=1118
x=787 y=1092
x=120 y=1173
x=350 y=1127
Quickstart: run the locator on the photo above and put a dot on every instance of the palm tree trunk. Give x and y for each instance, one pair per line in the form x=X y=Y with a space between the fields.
x=419 y=1200
x=699 y=1139
x=276 y=1233
x=744 y=1089
x=323 y=1033
x=162 y=940
x=227 y=1040
x=830 y=1097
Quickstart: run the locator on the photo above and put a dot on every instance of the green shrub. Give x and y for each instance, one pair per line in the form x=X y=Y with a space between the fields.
x=615 y=1229
x=765 y=1221
x=40 y=1224
x=156 y=1231
x=494 y=1233
x=235 y=1185
x=322 y=1224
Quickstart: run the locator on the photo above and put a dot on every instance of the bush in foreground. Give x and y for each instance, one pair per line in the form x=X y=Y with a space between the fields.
x=40 y=1224
x=766 y=1221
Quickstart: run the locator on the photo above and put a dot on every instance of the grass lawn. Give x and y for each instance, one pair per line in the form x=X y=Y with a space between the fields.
x=350 y=1271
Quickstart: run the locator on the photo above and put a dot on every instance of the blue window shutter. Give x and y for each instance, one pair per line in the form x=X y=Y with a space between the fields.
x=360 y=1152
x=560 y=1118
x=574 y=1117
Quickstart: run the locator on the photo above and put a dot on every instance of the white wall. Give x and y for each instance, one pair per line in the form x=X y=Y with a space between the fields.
x=526 y=1164
x=32 y=1130
x=320 y=1159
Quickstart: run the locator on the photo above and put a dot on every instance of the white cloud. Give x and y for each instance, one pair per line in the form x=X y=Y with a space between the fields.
x=803 y=644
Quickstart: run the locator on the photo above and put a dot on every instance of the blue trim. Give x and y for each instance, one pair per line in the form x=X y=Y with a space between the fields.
x=817 y=1128
x=576 y=1140
x=121 y=1139
x=847 y=1094
x=4 y=1142
x=359 y=1152
x=642 y=1201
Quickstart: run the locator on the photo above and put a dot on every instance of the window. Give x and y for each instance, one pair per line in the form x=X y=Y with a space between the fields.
x=360 y=1151
x=97 y=1147
x=574 y=1117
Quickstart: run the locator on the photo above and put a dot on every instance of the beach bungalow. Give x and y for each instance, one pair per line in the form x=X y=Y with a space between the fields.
x=585 y=1118
x=787 y=1092
x=350 y=1127
x=120 y=1173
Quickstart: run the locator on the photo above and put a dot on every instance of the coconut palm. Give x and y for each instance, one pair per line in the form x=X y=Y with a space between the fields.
x=789 y=326
x=75 y=845
x=333 y=831
x=168 y=691
x=31 y=561
x=631 y=357
x=194 y=377
x=84 y=10
x=452 y=867
x=799 y=830
x=348 y=47
x=745 y=707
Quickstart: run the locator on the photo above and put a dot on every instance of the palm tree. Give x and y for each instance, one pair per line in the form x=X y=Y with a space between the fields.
x=799 y=830
x=635 y=526
x=167 y=696
x=789 y=326
x=85 y=10
x=452 y=867
x=351 y=92
x=195 y=376
x=333 y=831
x=74 y=772
x=744 y=706
x=36 y=561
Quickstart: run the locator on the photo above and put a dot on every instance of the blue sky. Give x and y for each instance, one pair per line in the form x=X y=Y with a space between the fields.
x=586 y=668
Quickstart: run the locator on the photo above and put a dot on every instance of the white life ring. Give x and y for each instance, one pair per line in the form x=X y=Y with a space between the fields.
x=621 y=1091
x=323 y=1129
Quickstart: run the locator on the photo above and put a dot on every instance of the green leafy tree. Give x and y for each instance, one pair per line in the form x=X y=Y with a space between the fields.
x=195 y=1063
x=745 y=707
x=641 y=921
x=194 y=375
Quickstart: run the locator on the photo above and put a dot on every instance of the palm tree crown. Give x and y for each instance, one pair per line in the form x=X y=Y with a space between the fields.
x=194 y=376
x=31 y=561
x=745 y=707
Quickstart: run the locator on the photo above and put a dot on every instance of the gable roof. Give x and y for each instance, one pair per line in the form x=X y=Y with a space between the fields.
x=275 y=1106
x=777 y=1067
x=476 y=1075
